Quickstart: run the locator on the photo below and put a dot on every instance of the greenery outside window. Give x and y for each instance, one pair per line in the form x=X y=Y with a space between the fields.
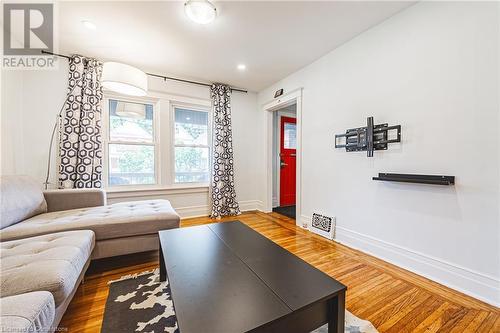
x=191 y=145
x=131 y=143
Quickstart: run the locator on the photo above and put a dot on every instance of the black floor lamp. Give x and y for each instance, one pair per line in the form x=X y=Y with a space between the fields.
x=58 y=117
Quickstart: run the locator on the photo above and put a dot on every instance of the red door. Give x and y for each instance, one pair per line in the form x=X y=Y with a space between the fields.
x=288 y=160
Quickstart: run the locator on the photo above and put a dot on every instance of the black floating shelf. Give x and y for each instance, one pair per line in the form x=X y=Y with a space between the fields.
x=419 y=179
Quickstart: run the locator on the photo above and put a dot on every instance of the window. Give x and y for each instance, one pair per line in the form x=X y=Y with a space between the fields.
x=131 y=143
x=153 y=142
x=290 y=136
x=191 y=146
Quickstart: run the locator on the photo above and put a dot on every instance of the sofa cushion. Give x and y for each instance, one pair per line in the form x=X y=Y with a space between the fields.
x=51 y=262
x=30 y=312
x=108 y=222
x=21 y=198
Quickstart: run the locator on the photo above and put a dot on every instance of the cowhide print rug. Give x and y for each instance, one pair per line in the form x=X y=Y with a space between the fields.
x=140 y=303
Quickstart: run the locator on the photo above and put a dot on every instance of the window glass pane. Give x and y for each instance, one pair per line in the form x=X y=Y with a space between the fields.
x=131 y=164
x=191 y=165
x=191 y=127
x=290 y=136
x=130 y=122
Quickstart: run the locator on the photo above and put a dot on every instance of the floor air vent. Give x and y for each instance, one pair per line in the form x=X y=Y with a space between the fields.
x=323 y=225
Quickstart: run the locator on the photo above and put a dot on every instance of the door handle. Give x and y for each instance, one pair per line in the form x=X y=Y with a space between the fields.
x=283 y=164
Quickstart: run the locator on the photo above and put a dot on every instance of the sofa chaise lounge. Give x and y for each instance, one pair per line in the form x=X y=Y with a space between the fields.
x=49 y=238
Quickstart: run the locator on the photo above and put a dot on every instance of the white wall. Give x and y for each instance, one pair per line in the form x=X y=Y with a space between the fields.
x=432 y=68
x=32 y=99
x=11 y=121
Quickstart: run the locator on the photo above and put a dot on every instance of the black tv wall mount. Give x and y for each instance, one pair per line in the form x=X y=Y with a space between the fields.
x=371 y=137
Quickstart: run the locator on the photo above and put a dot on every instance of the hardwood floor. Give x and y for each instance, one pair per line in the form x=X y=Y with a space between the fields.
x=393 y=299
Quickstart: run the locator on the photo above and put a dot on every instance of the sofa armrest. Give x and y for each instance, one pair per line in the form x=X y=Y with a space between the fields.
x=58 y=200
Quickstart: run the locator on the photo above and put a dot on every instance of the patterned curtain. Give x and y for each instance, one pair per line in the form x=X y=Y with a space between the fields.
x=222 y=188
x=80 y=147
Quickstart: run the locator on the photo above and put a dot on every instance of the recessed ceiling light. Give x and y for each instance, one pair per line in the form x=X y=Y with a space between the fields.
x=241 y=67
x=200 y=11
x=89 y=25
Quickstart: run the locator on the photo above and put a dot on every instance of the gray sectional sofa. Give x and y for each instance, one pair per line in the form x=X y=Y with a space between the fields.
x=49 y=238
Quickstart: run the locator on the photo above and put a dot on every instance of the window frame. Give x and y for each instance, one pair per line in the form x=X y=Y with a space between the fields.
x=105 y=125
x=193 y=107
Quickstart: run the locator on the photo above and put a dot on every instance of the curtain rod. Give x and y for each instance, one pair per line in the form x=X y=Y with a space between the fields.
x=156 y=75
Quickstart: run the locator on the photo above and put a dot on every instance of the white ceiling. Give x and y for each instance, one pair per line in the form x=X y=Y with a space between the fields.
x=273 y=39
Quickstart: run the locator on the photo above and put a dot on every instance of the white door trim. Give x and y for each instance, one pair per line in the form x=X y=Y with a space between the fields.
x=290 y=98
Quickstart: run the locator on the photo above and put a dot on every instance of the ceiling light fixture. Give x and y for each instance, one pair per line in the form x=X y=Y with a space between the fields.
x=124 y=79
x=200 y=11
x=241 y=67
x=89 y=25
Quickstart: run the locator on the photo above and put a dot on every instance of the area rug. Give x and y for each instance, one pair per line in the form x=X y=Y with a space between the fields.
x=140 y=303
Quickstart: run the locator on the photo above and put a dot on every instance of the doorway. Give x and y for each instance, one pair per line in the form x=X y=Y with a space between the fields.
x=285 y=160
x=270 y=108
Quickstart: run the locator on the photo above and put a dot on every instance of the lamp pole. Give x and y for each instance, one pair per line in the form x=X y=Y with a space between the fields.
x=58 y=117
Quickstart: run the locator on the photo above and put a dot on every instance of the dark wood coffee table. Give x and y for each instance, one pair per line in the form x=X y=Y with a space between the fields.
x=225 y=277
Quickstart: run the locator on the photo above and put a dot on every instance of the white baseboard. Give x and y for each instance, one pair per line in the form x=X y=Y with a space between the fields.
x=475 y=284
x=204 y=210
x=192 y=211
x=305 y=220
x=249 y=205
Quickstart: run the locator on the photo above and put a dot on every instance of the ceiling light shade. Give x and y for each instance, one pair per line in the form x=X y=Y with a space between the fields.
x=131 y=110
x=200 y=11
x=124 y=79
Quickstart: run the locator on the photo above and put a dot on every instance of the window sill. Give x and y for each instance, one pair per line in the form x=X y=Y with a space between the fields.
x=131 y=192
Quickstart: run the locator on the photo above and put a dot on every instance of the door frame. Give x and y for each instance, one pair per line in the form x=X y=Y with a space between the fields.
x=293 y=97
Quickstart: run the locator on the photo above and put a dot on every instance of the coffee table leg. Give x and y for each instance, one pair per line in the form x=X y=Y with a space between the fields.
x=163 y=270
x=336 y=313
